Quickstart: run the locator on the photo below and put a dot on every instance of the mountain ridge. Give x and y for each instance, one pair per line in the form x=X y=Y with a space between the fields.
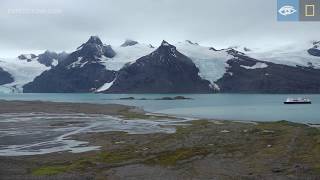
x=93 y=67
x=165 y=70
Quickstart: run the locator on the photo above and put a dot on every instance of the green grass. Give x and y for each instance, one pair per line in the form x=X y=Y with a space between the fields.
x=172 y=157
x=263 y=143
x=50 y=170
x=117 y=156
x=84 y=164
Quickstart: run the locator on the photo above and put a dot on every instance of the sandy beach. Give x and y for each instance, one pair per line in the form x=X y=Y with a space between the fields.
x=173 y=148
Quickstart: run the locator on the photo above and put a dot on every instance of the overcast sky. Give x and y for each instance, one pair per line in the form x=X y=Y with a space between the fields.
x=36 y=25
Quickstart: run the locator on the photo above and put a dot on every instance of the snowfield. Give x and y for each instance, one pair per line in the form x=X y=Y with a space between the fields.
x=292 y=55
x=128 y=54
x=22 y=71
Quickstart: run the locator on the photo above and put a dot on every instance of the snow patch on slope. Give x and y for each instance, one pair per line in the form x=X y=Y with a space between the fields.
x=55 y=62
x=77 y=63
x=22 y=71
x=105 y=87
x=258 y=65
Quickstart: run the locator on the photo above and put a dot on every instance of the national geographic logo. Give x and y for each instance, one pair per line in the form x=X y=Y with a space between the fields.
x=298 y=10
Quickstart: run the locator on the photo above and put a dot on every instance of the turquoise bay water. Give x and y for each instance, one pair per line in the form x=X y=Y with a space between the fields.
x=258 y=107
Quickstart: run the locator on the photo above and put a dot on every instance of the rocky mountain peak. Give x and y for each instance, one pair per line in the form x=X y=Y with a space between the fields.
x=50 y=53
x=165 y=43
x=129 y=42
x=27 y=57
x=51 y=58
x=315 y=50
x=246 y=49
x=213 y=49
x=166 y=49
x=234 y=52
x=94 y=48
x=165 y=70
x=192 y=43
x=315 y=43
x=94 y=40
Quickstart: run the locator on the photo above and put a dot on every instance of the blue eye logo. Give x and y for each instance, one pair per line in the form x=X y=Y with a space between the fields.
x=287 y=10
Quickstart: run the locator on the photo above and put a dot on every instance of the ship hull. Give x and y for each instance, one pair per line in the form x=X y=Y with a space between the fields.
x=297 y=102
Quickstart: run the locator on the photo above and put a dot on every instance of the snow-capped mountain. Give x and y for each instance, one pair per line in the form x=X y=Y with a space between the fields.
x=135 y=67
x=81 y=71
x=165 y=70
x=26 y=67
x=230 y=70
x=22 y=71
x=48 y=58
x=303 y=54
x=248 y=75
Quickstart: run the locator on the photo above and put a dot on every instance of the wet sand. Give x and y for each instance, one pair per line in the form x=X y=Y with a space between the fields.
x=200 y=149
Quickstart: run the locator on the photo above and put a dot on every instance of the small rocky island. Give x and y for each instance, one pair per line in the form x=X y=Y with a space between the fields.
x=163 y=98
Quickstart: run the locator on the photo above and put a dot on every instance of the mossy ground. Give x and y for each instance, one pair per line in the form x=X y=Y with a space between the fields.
x=132 y=114
x=49 y=170
x=275 y=147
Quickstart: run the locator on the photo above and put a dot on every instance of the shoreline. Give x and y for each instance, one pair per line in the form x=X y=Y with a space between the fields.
x=232 y=149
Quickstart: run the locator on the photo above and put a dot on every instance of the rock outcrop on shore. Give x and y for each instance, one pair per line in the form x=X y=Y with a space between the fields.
x=163 y=98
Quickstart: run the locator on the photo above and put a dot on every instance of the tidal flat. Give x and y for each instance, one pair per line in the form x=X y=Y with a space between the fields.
x=153 y=146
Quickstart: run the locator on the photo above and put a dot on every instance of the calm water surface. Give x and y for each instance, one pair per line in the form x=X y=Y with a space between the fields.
x=258 y=107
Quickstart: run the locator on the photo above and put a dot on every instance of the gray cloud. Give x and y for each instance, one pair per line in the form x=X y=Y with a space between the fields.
x=29 y=25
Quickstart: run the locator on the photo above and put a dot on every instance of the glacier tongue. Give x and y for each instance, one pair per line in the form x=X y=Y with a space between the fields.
x=22 y=71
x=212 y=64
